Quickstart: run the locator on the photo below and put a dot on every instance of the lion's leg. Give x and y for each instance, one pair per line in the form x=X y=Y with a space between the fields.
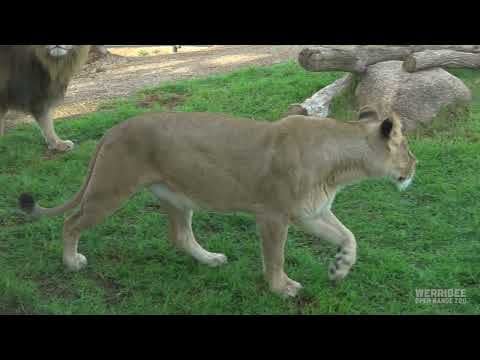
x=46 y=124
x=182 y=237
x=273 y=232
x=329 y=228
x=2 y=121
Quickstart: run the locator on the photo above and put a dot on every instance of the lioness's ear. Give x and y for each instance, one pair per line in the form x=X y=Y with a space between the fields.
x=386 y=128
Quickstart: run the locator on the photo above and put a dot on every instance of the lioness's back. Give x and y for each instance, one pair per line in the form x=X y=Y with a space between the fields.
x=197 y=131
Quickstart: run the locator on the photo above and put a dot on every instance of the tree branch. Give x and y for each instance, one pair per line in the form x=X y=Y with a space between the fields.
x=441 y=58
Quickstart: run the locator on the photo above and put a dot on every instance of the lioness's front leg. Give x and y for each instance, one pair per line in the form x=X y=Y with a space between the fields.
x=46 y=124
x=328 y=227
x=273 y=231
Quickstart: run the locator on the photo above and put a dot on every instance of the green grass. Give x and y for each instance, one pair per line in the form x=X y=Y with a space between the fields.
x=426 y=237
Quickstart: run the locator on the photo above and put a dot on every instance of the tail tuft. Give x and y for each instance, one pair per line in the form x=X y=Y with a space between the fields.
x=26 y=203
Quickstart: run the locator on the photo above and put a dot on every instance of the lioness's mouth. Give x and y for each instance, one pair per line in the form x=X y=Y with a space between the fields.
x=403 y=182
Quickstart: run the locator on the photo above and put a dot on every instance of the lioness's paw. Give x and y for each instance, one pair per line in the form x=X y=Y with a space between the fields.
x=335 y=274
x=75 y=264
x=289 y=289
x=62 y=146
x=215 y=259
x=340 y=268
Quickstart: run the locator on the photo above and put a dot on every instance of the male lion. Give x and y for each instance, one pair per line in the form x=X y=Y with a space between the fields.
x=34 y=78
x=283 y=172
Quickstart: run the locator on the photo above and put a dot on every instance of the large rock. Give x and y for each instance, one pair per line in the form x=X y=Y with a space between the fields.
x=417 y=97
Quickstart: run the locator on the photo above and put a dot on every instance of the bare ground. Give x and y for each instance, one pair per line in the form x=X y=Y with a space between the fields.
x=130 y=69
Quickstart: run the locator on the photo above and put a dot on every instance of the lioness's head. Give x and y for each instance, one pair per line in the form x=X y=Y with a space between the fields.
x=393 y=157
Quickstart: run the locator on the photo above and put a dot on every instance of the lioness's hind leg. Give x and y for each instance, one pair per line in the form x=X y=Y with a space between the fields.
x=99 y=201
x=182 y=237
x=91 y=214
x=73 y=260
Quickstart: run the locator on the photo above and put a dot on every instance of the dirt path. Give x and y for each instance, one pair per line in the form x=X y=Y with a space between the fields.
x=121 y=76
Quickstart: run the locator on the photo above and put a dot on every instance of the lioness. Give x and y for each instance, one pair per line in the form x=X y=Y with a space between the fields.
x=34 y=79
x=283 y=172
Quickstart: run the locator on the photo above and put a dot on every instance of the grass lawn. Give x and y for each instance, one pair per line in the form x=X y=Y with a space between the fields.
x=427 y=237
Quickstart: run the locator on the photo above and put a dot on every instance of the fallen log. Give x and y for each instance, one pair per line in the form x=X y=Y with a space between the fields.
x=463 y=48
x=353 y=58
x=97 y=52
x=412 y=48
x=330 y=59
x=417 y=97
x=382 y=82
x=441 y=58
x=99 y=49
x=319 y=103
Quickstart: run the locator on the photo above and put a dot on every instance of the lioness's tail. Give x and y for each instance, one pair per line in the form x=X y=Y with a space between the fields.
x=29 y=206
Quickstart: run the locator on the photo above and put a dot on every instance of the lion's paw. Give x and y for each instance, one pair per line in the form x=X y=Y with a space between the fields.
x=62 y=146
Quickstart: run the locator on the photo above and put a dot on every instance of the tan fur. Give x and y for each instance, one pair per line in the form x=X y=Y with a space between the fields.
x=283 y=172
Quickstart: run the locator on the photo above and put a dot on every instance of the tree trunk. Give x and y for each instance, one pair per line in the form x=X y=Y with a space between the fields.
x=319 y=103
x=388 y=81
x=463 y=48
x=356 y=59
x=330 y=59
x=441 y=58
x=417 y=97
x=97 y=52
x=99 y=49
